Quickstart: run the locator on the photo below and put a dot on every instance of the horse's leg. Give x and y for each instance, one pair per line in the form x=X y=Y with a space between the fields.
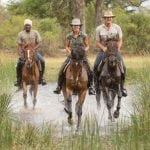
x=69 y=105
x=24 y=93
x=31 y=90
x=65 y=97
x=79 y=104
x=112 y=97
x=98 y=96
x=116 y=113
x=35 y=88
x=107 y=101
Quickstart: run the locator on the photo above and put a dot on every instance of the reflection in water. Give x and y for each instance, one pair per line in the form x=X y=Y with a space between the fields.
x=49 y=108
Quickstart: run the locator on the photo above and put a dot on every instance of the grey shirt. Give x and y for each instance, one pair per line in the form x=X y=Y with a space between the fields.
x=103 y=33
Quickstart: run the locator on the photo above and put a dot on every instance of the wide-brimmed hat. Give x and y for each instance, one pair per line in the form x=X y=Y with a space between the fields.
x=76 y=21
x=28 y=21
x=108 y=14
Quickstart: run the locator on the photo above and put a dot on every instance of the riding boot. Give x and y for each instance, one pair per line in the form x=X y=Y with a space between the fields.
x=42 y=80
x=59 y=84
x=96 y=75
x=124 y=91
x=19 y=75
x=90 y=79
x=60 y=79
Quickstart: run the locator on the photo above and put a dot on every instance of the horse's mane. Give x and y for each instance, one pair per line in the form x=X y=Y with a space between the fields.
x=77 y=53
x=112 y=48
x=28 y=45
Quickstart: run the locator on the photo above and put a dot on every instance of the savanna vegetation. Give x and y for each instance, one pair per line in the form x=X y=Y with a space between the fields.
x=132 y=136
x=52 y=19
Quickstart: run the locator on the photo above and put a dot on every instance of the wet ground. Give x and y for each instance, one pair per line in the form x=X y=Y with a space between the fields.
x=50 y=108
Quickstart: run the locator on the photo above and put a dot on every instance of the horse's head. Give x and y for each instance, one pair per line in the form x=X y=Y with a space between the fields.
x=29 y=53
x=77 y=56
x=111 y=53
x=77 y=53
x=112 y=46
x=112 y=61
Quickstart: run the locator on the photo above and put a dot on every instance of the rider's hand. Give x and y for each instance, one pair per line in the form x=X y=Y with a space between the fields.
x=104 y=49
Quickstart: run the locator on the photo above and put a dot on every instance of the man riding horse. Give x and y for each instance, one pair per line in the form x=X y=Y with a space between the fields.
x=74 y=40
x=29 y=36
x=105 y=33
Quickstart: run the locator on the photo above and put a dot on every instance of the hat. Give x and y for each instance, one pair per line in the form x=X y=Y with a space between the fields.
x=76 y=21
x=28 y=21
x=108 y=14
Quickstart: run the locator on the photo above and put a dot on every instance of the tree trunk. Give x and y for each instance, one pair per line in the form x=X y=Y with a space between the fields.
x=79 y=11
x=98 y=12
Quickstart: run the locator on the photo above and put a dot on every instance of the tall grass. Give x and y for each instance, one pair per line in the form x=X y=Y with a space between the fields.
x=133 y=136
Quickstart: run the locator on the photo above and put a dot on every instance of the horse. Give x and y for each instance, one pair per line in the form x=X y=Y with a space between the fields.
x=30 y=73
x=109 y=80
x=76 y=79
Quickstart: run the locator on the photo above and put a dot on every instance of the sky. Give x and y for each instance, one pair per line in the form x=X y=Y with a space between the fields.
x=144 y=4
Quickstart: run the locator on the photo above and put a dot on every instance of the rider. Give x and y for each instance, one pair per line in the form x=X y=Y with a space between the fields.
x=73 y=40
x=25 y=36
x=105 y=32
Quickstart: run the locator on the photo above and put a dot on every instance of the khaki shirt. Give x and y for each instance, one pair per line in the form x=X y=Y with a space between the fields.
x=75 y=42
x=103 y=34
x=33 y=36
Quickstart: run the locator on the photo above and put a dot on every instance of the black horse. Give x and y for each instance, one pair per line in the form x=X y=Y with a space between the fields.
x=109 y=80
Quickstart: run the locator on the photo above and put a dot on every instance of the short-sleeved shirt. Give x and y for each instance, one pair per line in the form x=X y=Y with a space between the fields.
x=103 y=34
x=33 y=36
x=76 y=41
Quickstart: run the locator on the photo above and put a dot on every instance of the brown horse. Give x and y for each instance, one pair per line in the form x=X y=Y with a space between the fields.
x=76 y=80
x=30 y=74
x=110 y=81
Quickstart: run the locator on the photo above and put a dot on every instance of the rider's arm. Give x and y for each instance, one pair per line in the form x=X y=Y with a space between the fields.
x=86 y=44
x=98 y=40
x=19 y=50
x=37 y=45
x=119 y=43
x=68 y=46
x=101 y=46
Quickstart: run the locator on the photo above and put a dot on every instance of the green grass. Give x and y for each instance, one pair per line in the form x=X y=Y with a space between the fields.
x=132 y=136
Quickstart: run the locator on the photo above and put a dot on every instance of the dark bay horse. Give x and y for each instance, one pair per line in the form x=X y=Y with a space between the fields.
x=30 y=73
x=76 y=80
x=110 y=81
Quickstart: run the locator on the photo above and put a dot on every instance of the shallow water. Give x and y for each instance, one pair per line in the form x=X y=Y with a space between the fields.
x=50 y=108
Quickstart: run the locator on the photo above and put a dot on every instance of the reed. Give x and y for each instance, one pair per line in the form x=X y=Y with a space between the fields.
x=134 y=135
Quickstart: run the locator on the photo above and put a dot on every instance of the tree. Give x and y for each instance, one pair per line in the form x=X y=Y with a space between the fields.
x=79 y=11
x=98 y=11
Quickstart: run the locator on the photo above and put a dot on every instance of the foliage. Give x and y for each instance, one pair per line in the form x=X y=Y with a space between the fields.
x=9 y=29
x=43 y=9
x=56 y=18
x=137 y=33
x=50 y=31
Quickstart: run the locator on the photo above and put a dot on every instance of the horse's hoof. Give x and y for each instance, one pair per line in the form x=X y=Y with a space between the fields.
x=70 y=121
x=116 y=114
